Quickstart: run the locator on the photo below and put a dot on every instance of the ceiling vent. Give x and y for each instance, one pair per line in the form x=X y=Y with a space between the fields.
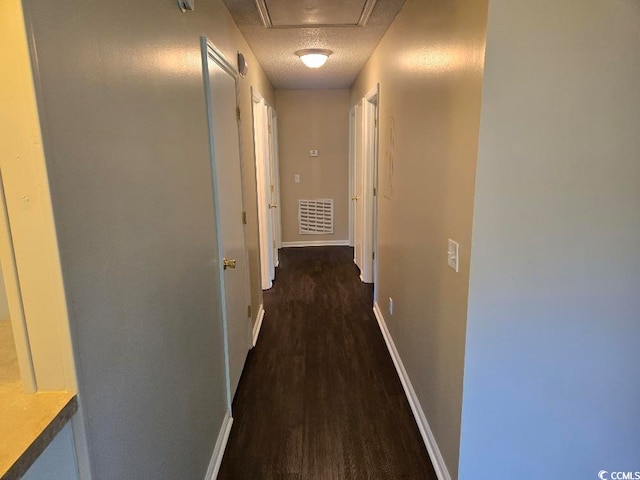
x=314 y=13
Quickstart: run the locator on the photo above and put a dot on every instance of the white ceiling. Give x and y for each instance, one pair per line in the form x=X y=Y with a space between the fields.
x=299 y=24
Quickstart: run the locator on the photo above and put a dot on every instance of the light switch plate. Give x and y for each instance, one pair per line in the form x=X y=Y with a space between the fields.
x=453 y=254
x=390 y=306
x=313 y=153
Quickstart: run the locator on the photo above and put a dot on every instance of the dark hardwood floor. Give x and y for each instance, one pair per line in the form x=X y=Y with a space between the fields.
x=319 y=397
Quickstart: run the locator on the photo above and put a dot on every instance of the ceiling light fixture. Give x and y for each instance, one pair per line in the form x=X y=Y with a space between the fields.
x=314 y=57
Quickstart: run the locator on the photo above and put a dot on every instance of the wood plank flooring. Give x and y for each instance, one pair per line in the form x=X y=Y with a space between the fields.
x=319 y=397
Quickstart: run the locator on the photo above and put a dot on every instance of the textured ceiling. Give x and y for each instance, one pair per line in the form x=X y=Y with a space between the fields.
x=276 y=47
x=345 y=12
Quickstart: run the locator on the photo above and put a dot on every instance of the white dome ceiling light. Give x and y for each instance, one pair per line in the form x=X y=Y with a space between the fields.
x=314 y=57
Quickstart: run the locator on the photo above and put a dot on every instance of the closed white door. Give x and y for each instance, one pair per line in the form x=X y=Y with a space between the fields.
x=358 y=190
x=227 y=175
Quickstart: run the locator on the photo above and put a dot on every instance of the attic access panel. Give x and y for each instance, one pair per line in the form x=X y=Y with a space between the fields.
x=314 y=13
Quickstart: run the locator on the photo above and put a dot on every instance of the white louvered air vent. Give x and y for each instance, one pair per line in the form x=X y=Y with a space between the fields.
x=315 y=216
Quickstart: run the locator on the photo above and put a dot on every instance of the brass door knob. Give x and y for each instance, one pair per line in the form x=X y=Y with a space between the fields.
x=228 y=263
x=273 y=205
x=355 y=197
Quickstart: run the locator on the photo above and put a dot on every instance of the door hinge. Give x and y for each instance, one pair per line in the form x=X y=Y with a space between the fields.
x=373 y=255
x=273 y=189
x=274 y=244
x=375 y=191
x=244 y=218
x=375 y=122
x=249 y=311
x=238 y=113
x=269 y=128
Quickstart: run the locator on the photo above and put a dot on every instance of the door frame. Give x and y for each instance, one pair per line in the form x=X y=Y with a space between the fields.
x=265 y=153
x=370 y=191
x=210 y=52
x=14 y=299
x=358 y=185
x=262 y=190
x=352 y=159
x=274 y=168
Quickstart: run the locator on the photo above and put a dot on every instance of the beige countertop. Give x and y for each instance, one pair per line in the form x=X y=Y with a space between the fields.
x=28 y=421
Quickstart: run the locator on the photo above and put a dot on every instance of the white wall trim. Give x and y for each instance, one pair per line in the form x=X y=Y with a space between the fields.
x=258 y=324
x=218 y=451
x=352 y=159
x=423 y=425
x=316 y=243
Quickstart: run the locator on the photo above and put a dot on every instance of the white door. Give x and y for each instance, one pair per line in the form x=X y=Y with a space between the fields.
x=352 y=152
x=371 y=187
x=358 y=190
x=220 y=83
x=263 y=184
x=364 y=198
x=274 y=186
x=369 y=190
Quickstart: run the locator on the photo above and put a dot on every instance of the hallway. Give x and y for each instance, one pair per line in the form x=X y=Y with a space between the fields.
x=319 y=397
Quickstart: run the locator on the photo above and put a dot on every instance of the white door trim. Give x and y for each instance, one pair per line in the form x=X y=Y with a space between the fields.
x=14 y=299
x=352 y=152
x=369 y=195
x=258 y=324
x=267 y=184
x=221 y=445
x=358 y=184
x=262 y=185
x=275 y=178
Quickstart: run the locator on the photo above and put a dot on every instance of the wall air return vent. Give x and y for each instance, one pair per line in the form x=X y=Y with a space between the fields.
x=315 y=217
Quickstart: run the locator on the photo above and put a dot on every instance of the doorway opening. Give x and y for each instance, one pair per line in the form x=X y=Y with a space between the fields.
x=15 y=352
x=265 y=136
x=364 y=185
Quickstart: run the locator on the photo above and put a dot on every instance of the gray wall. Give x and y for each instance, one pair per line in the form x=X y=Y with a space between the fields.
x=319 y=120
x=123 y=113
x=429 y=66
x=551 y=374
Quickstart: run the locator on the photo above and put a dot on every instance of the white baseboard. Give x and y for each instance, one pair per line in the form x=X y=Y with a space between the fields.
x=423 y=425
x=258 y=324
x=316 y=243
x=218 y=451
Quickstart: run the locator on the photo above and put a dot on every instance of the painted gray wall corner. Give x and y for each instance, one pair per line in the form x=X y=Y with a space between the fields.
x=551 y=382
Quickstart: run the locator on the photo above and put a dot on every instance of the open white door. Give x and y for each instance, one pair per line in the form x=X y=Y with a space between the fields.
x=364 y=184
x=370 y=190
x=268 y=185
x=358 y=190
x=274 y=187
x=352 y=152
x=220 y=86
